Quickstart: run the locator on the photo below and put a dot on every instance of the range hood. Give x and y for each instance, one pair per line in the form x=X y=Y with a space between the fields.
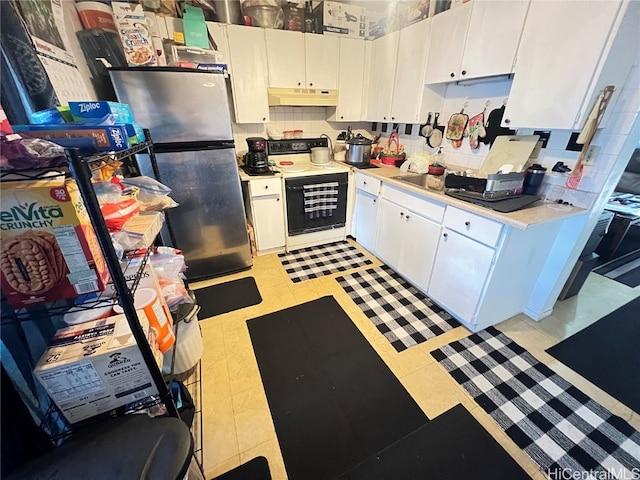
x=303 y=97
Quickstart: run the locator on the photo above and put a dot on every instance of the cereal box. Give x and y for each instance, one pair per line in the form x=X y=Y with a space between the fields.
x=134 y=34
x=49 y=250
x=95 y=367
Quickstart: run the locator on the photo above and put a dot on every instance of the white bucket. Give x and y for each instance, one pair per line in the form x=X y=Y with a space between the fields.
x=189 y=346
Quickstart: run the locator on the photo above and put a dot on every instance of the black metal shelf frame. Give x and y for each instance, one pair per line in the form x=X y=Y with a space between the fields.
x=80 y=168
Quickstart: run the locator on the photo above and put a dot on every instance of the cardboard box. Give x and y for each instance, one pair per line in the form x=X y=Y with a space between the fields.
x=49 y=248
x=335 y=18
x=134 y=34
x=293 y=17
x=108 y=137
x=95 y=367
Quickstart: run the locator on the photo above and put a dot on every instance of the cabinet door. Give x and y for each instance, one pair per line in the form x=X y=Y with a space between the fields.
x=419 y=245
x=446 y=44
x=350 y=79
x=321 y=60
x=248 y=56
x=390 y=233
x=492 y=38
x=459 y=273
x=559 y=52
x=268 y=222
x=381 y=76
x=366 y=217
x=285 y=50
x=408 y=87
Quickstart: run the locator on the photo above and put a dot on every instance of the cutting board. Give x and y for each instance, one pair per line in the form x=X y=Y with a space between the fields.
x=509 y=153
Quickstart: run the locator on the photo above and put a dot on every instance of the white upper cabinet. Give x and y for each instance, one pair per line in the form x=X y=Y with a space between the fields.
x=351 y=70
x=286 y=58
x=492 y=39
x=560 y=62
x=477 y=39
x=300 y=60
x=410 y=66
x=248 y=57
x=381 y=76
x=321 y=61
x=446 y=44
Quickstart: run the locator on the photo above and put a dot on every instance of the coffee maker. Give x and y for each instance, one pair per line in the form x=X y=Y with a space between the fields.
x=255 y=160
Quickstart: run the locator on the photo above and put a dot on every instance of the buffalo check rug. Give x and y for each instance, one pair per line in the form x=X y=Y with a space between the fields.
x=558 y=426
x=312 y=262
x=404 y=315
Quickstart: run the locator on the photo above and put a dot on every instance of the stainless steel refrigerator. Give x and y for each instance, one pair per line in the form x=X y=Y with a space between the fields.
x=187 y=113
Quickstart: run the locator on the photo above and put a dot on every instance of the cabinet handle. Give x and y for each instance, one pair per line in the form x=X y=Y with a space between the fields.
x=299 y=83
x=384 y=118
x=374 y=200
x=402 y=214
x=264 y=119
x=393 y=118
x=467 y=224
x=507 y=121
x=364 y=183
x=311 y=84
x=266 y=187
x=463 y=72
x=452 y=74
x=341 y=117
x=445 y=235
x=407 y=217
x=278 y=199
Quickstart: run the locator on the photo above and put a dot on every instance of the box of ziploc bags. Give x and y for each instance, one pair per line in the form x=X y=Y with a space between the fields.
x=99 y=109
x=108 y=137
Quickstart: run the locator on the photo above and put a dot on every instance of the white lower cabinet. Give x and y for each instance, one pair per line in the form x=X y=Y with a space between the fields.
x=366 y=217
x=407 y=242
x=267 y=214
x=459 y=273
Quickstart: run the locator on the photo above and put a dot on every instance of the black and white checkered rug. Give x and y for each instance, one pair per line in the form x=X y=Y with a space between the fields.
x=313 y=262
x=558 y=426
x=404 y=315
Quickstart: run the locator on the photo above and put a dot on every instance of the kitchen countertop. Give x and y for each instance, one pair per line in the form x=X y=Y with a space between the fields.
x=539 y=213
x=245 y=177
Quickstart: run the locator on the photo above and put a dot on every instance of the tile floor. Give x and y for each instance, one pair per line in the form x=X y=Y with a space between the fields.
x=237 y=422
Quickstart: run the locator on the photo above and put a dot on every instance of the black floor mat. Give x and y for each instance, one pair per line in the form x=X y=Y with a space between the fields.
x=606 y=353
x=228 y=296
x=453 y=446
x=333 y=400
x=255 y=469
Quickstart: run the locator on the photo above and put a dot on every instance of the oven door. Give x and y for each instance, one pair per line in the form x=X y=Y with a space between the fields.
x=314 y=211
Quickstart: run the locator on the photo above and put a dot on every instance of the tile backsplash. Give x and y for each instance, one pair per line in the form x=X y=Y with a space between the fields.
x=475 y=99
x=311 y=120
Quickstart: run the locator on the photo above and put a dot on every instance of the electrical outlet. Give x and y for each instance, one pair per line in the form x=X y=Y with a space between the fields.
x=590 y=156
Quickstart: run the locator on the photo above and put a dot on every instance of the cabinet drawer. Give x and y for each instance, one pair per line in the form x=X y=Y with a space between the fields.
x=421 y=206
x=473 y=226
x=265 y=186
x=368 y=184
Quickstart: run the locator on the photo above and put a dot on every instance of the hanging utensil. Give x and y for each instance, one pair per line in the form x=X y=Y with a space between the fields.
x=435 y=140
x=456 y=125
x=427 y=129
x=588 y=132
x=476 y=128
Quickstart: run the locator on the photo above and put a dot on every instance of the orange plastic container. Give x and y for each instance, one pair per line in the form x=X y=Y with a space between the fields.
x=146 y=299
